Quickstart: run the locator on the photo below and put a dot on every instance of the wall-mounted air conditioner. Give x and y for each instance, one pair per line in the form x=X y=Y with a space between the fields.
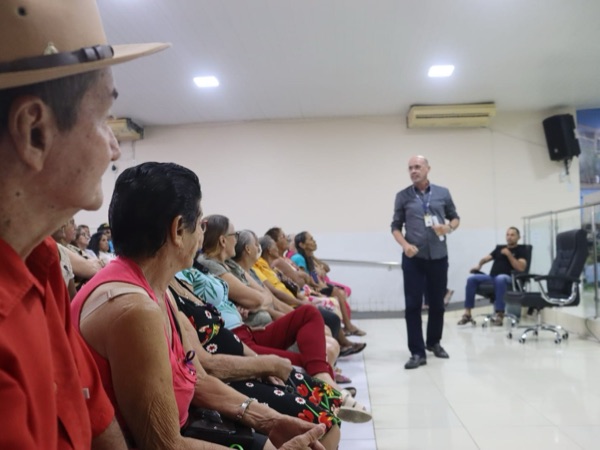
x=463 y=115
x=126 y=129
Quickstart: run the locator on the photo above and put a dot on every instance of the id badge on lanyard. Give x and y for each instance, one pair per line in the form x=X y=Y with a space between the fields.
x=427 y=216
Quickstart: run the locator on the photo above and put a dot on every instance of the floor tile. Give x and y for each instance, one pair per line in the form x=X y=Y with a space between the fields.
x=585 y=436
x=425 y=439
x=489 y=438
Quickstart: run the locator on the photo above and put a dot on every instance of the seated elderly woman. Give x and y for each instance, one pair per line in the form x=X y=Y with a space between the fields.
x=83 y=267
x=304 y=258
x=82 y=241
x=283 y=263
x=223 y=355
x=146 y=363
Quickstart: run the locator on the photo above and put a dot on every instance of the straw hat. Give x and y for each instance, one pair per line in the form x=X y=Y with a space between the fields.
x=42 y=40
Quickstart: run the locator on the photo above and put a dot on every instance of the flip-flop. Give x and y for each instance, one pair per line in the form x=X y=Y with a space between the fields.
x=356 y=347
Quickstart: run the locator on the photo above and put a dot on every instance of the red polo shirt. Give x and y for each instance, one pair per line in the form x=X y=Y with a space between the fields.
x=51 y=396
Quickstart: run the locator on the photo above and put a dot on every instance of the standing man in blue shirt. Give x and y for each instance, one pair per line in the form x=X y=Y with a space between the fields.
x=422 y=210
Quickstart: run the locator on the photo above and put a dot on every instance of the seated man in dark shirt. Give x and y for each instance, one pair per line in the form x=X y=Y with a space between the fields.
x=507 y=258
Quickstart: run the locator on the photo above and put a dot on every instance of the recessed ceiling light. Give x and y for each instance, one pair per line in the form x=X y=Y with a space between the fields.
x=440 y=71
x=204 y=82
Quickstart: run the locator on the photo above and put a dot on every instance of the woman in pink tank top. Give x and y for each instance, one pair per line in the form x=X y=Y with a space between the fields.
x=145 y=355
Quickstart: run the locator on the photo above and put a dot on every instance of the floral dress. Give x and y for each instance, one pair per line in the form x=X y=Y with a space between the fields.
x=302 y=396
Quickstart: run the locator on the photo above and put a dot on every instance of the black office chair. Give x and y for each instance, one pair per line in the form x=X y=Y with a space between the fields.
x=559 y=288
x=486 y=289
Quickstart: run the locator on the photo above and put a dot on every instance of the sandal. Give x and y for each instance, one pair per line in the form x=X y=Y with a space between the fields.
x=342 y=379
x=352 y=411
x=465 y=319
x=497 y=320
x=356 y=347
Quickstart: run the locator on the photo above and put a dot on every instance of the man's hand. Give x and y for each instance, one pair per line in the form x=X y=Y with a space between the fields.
x=476 y=269
x=285 y=428
x=410 y=250
x=308 y=440
x=277 y=366
x=506 y=252
x=440 y=229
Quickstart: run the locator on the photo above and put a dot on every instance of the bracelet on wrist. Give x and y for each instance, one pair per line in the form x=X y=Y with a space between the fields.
x=243 y=408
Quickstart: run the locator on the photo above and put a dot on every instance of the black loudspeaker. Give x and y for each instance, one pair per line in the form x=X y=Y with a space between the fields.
x=560 y=137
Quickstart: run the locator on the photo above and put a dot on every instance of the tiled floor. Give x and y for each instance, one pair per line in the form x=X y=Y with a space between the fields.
x=493 y=393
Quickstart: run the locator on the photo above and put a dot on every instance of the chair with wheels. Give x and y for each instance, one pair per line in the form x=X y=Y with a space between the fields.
x=557 y=289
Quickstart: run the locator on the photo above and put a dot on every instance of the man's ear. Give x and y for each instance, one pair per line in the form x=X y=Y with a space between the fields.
x=32 y=127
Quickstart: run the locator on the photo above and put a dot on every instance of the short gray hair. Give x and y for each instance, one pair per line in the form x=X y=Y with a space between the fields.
x=266 y=242
x=245 y=237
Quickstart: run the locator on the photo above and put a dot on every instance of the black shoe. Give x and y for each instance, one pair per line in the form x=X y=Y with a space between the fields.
x=415 y=361
x=438 y=351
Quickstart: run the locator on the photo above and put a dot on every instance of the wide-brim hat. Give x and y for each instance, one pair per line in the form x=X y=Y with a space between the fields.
x=42 y=40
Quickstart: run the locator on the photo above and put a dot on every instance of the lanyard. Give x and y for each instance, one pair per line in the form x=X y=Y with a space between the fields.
x=424 y=204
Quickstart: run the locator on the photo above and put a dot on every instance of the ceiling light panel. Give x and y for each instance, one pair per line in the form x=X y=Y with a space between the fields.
x=206 y=82
x=440 y=71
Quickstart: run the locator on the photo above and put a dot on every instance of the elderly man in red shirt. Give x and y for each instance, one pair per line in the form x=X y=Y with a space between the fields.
x=56 y=90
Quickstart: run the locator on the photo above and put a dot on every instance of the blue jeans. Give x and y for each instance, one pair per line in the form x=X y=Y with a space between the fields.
x=501 y=283
x=424 y=276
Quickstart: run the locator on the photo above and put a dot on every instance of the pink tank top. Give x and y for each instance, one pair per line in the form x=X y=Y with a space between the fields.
x=184 y=375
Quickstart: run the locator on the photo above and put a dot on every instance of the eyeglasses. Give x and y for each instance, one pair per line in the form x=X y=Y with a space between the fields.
x=203 y=225
x=235 y=233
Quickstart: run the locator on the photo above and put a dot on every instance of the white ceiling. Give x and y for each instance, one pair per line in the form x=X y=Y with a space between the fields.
x=280 y=59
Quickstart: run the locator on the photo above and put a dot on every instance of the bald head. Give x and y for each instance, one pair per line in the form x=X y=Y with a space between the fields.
x=418 y=158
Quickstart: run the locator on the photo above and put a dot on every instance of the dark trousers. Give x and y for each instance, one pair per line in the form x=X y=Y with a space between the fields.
x=424 y=277
x=332 y=320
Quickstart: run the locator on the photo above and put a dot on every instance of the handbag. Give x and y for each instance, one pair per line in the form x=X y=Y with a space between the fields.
x=209 y=425
x=289 y=284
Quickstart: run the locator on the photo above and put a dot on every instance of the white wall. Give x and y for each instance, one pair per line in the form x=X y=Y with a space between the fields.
x=338 y=179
